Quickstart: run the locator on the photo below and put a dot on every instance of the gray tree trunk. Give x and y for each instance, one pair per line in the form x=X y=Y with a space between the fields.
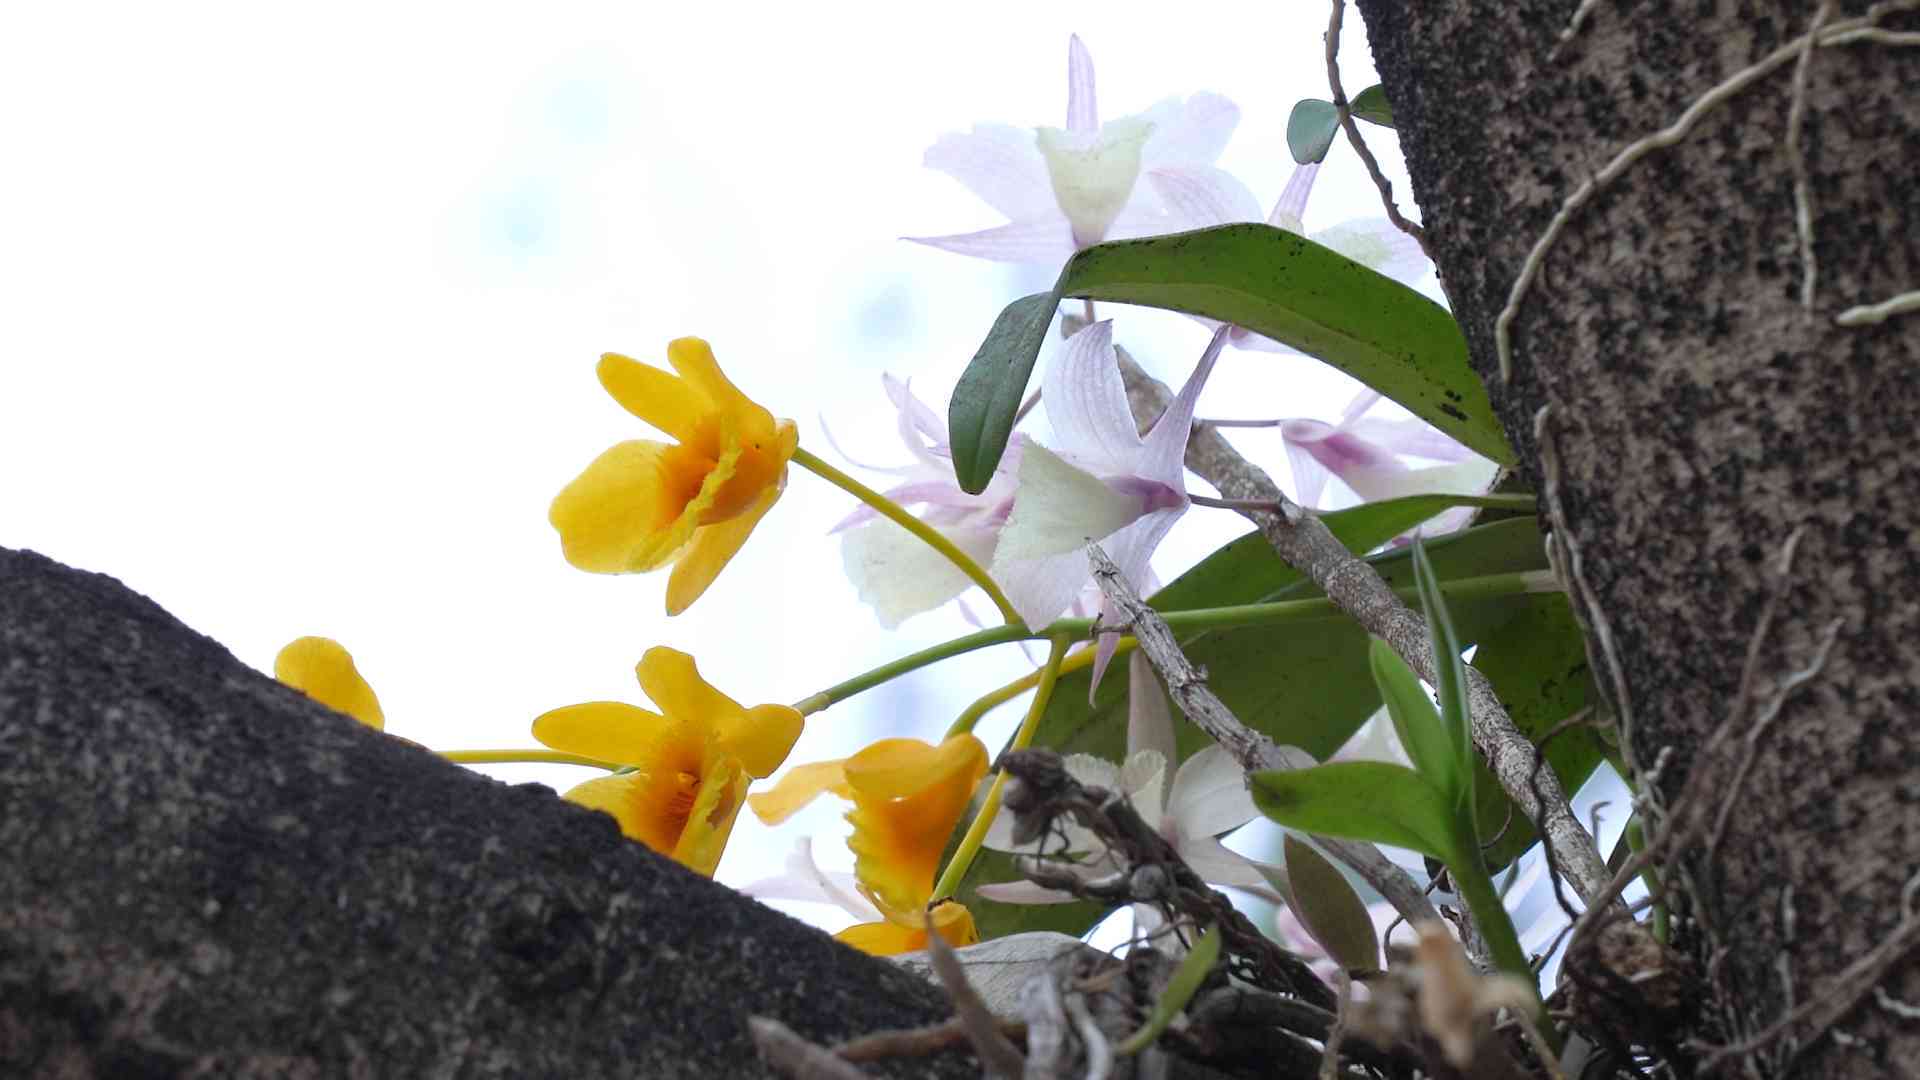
x=204 y=873
x=1703 y=415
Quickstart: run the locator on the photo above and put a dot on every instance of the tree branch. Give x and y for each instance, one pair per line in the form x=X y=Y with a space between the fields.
x=1304 y=543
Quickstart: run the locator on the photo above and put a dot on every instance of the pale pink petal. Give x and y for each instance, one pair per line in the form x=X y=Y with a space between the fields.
x=1210 y=794
x=1024 y=892
x=854 y=461
x=1291 y=211
x=1104 y=648
x=1309 y=475
x=1086 y=402
x=1470 y=477
x=1165 y=447
x=1041 y=589
x=999 y=163
x=1366 y=399
x=1142 y=216
x=900 y=576
x=1195 y=133
x=1375 y=243
x=1414 y=437
x=1219 y=865
x=1083 y=112
x=804 y=880
x=1149 y=714
x=1201 y=196
x=1047 y=239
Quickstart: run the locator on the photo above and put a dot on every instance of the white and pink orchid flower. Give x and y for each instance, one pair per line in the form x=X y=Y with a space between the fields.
x=1068 y=188
x=1101 y=482
x=1367 y=455
x=896 y=572
x=1208 y=797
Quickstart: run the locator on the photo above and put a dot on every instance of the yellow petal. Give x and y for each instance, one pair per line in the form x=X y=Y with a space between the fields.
x=704 y=839
x=693 y=358
x=664 y=400
x=320 y=668
x=628 y=510
x=907 y=798
x=712 y=548
x=883 y=938
x=759 y=737
x=951 y=921
x=608 y=730
x=801 y=785
x=897 y=768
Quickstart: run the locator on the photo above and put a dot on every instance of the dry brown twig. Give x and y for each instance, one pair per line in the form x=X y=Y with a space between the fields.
x=1344 y=110
x=1303 y=542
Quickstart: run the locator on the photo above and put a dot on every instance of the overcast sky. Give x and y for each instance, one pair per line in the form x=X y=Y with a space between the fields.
x=303 y=305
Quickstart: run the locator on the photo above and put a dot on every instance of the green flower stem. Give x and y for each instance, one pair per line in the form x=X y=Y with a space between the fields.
x=1531 y=581
x=990 y=807
x=1476 y=888
x=536 y=757
x=986 y=703
x=1636 y=837
x=892 y=511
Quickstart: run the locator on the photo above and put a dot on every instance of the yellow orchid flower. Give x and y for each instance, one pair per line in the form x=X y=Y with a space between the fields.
x=691 y=765
x=643 y=505
x=907 y=797
x=323 y=670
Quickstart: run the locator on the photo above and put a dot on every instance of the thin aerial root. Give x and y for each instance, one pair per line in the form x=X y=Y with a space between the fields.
x=1347 y=124
x=1797 y=157
x=1874 y=314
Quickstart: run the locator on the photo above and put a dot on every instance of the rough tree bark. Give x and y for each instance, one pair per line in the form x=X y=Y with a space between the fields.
x=1702 y=413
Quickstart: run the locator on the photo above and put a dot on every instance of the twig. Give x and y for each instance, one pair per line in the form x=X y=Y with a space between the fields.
x=1667 y=136
x=790 y=1053
x=1303 y=542
x=1797 y=157
x=997 y=1052
x=1253 y=750
x=915 y=1042
x=1345 y=112
x=1874 y=314
x=1330 y=1059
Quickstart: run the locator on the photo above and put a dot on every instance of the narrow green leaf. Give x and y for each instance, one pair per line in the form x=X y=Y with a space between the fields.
x=1186 y=981
x=1371 y=105
x=1310 y=130
x=1451 y=685
x=1328 y=907
x=1419 y=726
x=1360 y=800
x=980 y=416
x=1286 y=287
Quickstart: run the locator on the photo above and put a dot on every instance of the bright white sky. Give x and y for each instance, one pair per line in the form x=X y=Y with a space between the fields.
x=303 y=305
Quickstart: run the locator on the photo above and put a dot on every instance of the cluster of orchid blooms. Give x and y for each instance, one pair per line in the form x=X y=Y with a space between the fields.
x=679 y=777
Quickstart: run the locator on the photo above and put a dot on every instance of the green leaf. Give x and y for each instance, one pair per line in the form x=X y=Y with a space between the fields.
x=1187 y=978
x=1537 y=663
x=1328 y=907
x=1360 y=800
x=1451 y=685
x=1371 y=105
x=1308 y=684
x=1286 y=287
x=1421 y=731
x=980 y=415
x=1310 y=130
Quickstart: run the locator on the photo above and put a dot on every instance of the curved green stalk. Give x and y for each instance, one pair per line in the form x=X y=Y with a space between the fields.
x=989 y=808
x=893 y=512
x=534 y=757
x=1530 y=581
x=992 y=700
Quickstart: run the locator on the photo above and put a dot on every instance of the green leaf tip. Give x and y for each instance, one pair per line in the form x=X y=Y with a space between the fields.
x=985 y=401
